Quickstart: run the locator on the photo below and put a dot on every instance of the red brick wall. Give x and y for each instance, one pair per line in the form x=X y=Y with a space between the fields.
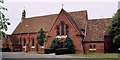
x=99 y=47
x=72 y=32
x=29 y=42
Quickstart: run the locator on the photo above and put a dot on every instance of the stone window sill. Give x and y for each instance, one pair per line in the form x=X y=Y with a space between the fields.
x=33 y=47
x=92 y=49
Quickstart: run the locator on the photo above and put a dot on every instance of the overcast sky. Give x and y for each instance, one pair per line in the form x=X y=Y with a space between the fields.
x=95 y=9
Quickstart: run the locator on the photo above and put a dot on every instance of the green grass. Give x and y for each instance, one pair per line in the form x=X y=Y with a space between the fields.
x=111 y=55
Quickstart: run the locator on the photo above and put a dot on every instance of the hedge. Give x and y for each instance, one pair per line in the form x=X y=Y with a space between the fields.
x=63 y=51
x=48 y=50
x=6 y=49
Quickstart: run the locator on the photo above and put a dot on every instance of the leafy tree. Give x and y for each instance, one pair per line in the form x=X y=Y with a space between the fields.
x=114 y=28
x=40 y=37
x=55 y=43
x=3 y=20
x=68 y=43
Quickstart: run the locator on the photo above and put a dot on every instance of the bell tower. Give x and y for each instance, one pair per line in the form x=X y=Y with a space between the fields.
x=23 y=14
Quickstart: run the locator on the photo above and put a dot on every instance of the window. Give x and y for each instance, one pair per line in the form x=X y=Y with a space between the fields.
x=7 y=45
x=58 y=31
x=90 y=46
x=20 y=41
x=32 y=42
x=67 y=30
x=24 y=41
x=94 y=46
x=62 y=28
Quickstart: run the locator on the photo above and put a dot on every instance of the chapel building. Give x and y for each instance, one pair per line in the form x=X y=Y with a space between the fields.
x=88 y=35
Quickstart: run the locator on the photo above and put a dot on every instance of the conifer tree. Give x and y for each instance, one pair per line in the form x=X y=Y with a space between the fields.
x=114 y=28
x=55 y=43
x=68 y=43
x=40 y=37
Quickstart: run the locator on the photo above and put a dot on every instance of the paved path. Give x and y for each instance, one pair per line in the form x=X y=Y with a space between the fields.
x=29 y=56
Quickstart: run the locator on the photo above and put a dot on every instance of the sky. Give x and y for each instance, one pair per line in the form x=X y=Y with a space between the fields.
x=96 y=9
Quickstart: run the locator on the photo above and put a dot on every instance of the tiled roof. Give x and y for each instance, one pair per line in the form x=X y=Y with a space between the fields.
x=10 y=39
x=96 y=29
x=13 y=39
x=33 y=24
x=76 y=21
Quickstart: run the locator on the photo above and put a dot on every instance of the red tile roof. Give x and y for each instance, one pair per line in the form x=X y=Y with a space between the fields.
x=96 y=29
x=13 y=39
x=33 y=24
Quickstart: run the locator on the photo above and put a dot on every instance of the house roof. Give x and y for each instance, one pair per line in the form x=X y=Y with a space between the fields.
x=73 y=21
x=13 y=39
x=10 y=39
x=33 y=24
x=96 y=29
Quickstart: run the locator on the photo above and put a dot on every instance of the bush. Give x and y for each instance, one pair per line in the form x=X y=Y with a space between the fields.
x=55 y=43
x=6 y=49
x=63 y=51
x=48 y=50
x=68 y=43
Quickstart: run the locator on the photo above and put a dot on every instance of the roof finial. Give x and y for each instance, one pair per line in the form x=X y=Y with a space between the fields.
x=24 y=8
x=62 y=5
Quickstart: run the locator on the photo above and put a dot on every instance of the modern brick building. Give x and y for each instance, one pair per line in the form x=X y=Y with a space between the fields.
x=89 y=36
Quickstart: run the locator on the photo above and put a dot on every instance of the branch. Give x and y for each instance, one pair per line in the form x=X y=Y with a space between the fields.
x=1 y=7
x=1 y=1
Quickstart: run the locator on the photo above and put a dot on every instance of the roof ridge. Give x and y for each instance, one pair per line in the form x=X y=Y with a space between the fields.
x=72 y=21
x=53 y=14
x=40 y=16
x=98 y=19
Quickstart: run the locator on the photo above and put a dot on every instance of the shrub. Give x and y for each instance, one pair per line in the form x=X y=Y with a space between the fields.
x=55 y=43
x=6 y=49
x=48 y=50
x=68 y=43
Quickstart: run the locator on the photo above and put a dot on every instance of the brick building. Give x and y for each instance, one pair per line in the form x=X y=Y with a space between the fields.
x=89 y=36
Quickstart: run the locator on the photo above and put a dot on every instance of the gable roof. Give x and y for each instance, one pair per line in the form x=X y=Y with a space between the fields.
x=13 y=39
x=10 y=39
x=33 y=24
x=76 y=26
x=96 y=29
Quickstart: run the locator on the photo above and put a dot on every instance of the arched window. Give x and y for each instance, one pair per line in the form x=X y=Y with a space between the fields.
x=58 y=31
x=67 y=30
x=90 y=46
x=24 y=41
x=32 y=42
x=62 y=28
x=94 y=46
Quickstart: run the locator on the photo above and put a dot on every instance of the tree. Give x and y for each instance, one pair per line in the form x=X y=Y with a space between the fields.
x=3 y=20
x=55 y=43
x=114 y=28
x=40 y=37
x=68 y=43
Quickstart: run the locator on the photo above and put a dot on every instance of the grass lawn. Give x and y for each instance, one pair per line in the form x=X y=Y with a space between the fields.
x=111 y=55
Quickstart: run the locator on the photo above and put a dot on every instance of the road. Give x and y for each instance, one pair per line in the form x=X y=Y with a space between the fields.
x=29 y=56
